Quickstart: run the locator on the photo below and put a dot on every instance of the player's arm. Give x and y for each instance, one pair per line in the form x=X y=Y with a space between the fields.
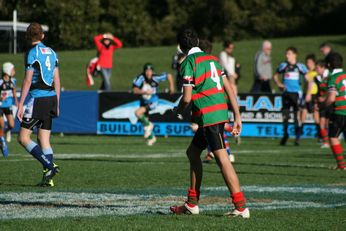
x=57 y=87
x=309 y=89
x=185 y=100
x=331 y=92
x=24 y=92
x=170 y=83
x=277 y=81
x=237 y=126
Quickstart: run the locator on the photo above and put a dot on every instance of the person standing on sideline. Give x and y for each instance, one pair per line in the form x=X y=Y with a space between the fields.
x=263 y=69
x=106 y=44
x=206 y=90
x=229 y=64
x=41 y=88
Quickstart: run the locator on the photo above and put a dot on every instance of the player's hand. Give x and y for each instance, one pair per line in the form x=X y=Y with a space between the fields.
x=237 y=126
x=20 y=112
x=308 y=98
x=171 y=91
x=281 y=86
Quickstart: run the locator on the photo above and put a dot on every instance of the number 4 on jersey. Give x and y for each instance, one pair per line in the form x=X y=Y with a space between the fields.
x=48 y=65
x=215 y=76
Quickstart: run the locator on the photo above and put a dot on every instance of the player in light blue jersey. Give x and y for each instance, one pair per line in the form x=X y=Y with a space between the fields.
x=146 y=85
x=41 y=90
x=292 y=73
x=8 y=98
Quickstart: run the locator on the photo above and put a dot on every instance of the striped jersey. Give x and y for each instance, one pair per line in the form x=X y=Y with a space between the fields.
x=203 y=73
x=337 y=83
x=322 y=83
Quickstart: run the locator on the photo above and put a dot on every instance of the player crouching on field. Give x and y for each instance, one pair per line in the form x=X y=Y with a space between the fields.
x=8 y=98
x=205 y=89
x=146 y=85
x=42 y=86
x=337 y=98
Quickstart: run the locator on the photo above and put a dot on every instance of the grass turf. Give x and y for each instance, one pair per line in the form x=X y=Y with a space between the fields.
x=118 y=165
x=128 y=62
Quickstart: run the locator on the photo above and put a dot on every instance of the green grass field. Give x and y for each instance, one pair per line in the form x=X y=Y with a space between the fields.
x=128 y=62
x=119 y=183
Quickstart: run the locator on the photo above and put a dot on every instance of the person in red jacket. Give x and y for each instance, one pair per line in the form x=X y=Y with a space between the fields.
x=106 y=44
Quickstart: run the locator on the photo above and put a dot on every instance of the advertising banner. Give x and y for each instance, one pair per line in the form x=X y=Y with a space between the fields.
x=261 y=115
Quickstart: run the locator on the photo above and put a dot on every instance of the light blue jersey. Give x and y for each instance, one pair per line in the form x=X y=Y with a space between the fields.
x=43 y=61
x=144 y=83
x=6 y=92
x=292 y=76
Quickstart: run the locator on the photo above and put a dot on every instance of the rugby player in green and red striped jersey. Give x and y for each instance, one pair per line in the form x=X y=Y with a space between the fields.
x=337 y=97
x=325 y=112
x=205 y=89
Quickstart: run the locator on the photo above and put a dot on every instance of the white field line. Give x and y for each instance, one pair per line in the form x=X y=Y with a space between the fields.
x=282 y=189
x=27 y=205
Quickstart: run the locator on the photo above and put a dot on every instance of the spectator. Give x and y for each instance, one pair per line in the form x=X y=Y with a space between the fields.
x=263 y=69
x=229 y=64
x=106 y=44
x=326 y=49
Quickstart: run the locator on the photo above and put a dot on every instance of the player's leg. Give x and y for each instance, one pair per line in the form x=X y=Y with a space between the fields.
x=295 y=100
x=193 y=153
x=4 y=147
x=24 y=139
x=285 y=117
x=336 y=126
x=10 y=126
x=215 y=139
x=147 y=125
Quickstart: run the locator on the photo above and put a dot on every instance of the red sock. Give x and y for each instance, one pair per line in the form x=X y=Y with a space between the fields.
x=338 y=154
x=238 y=200
x=192 y=197
x=324 y=135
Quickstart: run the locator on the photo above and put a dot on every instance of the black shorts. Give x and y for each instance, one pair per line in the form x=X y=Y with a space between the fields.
x=6 y=111
x=290 y=100
x=40 y=112
x=325 y=111
x=210 y=135
x=337 y=125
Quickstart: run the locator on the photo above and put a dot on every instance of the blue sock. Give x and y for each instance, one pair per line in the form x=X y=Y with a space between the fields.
x=48 y=153
x=36 y=152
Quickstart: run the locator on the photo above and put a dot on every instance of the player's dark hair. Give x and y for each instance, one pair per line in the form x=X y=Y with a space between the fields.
x=311 y=57
x=148 y=66
x=227 y=43
x=187 y=38
x=321 y=63
x=205 y=46
x=334 y=60
x=293 y=49
x=34 y=32
x=325 y=44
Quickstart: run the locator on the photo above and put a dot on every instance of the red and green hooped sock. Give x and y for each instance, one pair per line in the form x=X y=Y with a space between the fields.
x=338 y=154
x=239 y=200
